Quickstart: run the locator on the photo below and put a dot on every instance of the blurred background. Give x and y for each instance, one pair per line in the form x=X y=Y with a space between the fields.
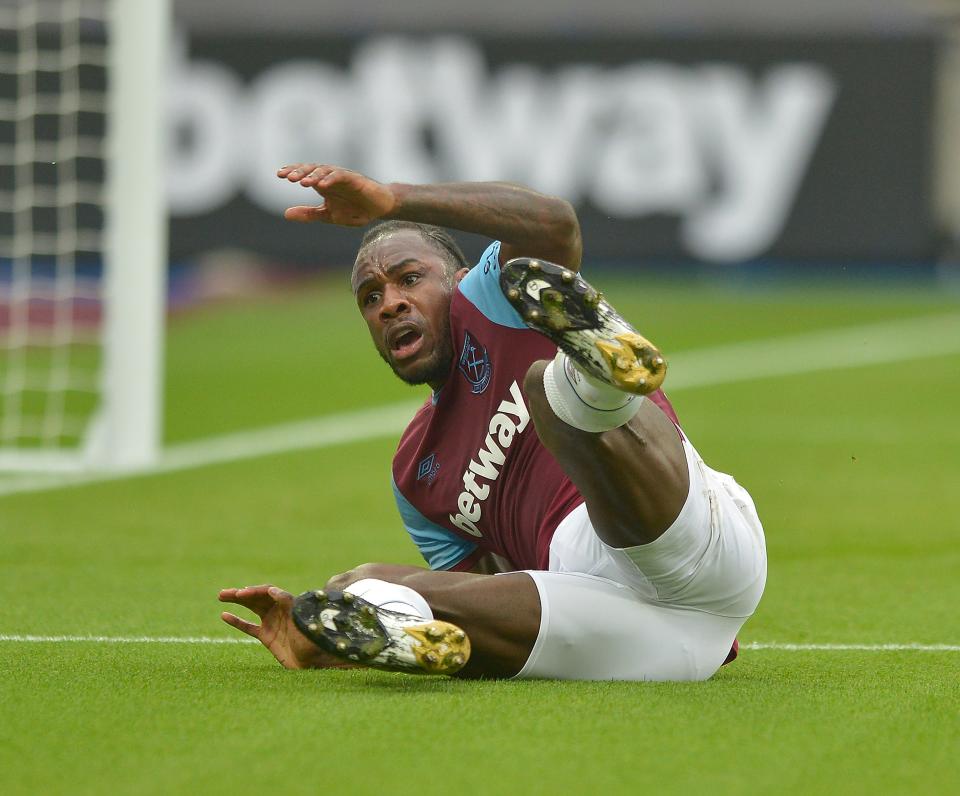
x=699 y=132
x=735 y=143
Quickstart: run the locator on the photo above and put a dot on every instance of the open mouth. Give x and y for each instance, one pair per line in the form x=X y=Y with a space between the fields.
x=405 y=344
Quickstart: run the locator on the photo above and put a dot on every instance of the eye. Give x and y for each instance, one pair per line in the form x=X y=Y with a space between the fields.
x=371 y=298
x=411 y=279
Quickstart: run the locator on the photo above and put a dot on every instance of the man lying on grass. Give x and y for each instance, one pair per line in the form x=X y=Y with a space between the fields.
x=570 y=527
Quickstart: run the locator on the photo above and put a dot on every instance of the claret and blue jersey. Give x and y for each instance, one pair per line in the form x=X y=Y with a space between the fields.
x=470 y=475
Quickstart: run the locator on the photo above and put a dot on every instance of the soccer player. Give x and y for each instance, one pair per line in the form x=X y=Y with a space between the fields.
x=570 y=527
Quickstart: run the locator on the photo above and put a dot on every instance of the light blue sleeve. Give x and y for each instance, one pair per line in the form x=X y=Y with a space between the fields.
x=440 y=548
x=481 y=287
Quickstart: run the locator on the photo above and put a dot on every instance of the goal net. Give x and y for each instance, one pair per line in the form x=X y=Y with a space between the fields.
x=82 y=232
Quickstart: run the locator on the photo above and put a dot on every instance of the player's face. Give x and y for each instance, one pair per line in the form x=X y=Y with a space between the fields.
x=403 y=289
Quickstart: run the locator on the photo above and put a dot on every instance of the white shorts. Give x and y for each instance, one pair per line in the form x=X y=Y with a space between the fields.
x=668 y=610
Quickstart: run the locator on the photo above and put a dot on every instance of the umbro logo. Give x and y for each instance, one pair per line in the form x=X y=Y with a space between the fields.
x=475 y=364
x=428 y=468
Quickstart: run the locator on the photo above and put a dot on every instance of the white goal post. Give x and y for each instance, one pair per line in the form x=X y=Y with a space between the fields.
x=82 y=232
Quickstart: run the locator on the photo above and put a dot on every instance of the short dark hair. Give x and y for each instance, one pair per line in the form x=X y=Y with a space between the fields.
x=439 y=238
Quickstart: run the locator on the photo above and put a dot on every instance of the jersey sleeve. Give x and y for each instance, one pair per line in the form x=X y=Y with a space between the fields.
x=440 y=548
x=481 y=287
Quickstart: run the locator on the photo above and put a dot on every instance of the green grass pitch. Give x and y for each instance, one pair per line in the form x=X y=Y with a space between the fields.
x=854 y=472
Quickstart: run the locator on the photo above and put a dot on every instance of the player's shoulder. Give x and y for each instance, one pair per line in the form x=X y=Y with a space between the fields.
x=481 y=287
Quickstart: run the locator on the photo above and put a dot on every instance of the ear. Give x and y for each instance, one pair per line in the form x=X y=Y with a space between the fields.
x=460 y=275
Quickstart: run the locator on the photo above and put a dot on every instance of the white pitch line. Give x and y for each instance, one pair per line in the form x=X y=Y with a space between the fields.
x=753 y=645
x=773 y=645
x=869 y=344
x=829 y=349
x=322 y=432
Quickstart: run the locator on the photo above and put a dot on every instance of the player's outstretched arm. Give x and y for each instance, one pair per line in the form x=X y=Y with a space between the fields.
x=528 y=223
x=277 y=631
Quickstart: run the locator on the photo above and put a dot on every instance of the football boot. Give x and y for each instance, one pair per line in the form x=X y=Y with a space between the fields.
x=355 y=630
x=558 y=303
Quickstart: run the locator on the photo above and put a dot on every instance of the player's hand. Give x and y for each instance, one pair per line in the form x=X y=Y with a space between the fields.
x=349 y=198
x=276 y=631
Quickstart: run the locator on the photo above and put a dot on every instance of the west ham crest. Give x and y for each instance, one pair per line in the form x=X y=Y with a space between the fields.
x=475 y=364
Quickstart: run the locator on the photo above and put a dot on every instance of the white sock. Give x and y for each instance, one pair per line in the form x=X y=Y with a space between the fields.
x=584 y=402
x=391 y=596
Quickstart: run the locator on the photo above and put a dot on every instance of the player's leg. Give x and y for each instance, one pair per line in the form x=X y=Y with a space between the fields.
x=633 y=478
x=541 y=624
x=566 y=625
x=655 y=519
x=500 y=616
x=625 y=457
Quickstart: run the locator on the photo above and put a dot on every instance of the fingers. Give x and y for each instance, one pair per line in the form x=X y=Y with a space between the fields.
x=230 y=595
x=298 y=171
x=316 y=175
x=241 y=624
x=259 y=599
x=307 y=174
x=305 y=214
x=240 y=596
